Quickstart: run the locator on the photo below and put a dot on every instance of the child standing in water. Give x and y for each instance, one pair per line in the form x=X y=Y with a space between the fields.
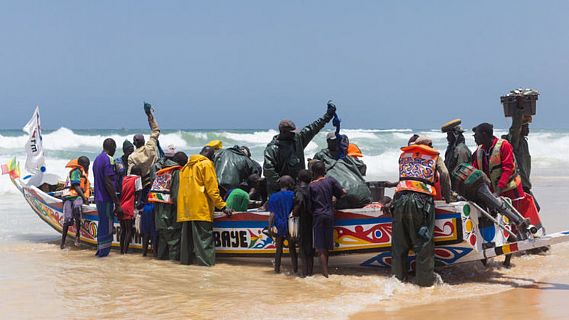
x=280 y=205
x=322 y=192
x=77 y=192
x=131 y=186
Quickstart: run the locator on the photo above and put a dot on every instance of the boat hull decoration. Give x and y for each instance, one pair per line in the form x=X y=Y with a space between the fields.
x=361 y=236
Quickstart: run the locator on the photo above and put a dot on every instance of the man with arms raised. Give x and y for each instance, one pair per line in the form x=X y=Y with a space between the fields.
x=144 y=156
x=284 y=155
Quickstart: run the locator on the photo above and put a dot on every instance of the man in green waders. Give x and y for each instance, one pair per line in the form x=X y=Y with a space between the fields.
x=164 y=195
x=518 y=138
x=414 y=210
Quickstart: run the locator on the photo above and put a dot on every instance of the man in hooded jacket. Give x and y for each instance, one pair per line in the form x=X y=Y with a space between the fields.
x=284 y=155
x=233 y=166
x=198 y=196
x=348 y=171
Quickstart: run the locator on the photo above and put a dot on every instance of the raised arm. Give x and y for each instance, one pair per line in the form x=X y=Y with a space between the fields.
x=307 y=133
x=516 y=128
x=155 y=131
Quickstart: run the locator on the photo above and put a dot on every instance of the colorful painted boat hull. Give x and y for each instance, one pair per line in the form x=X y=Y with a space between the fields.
x=361 y=236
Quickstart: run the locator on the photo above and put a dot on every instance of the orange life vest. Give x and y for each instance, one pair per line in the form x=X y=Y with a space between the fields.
x=354 y=151
x=161 y=187
x=85 y=185
x=417 y=169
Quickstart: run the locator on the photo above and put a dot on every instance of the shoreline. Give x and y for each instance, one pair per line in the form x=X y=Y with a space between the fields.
x=537 y=286
x=34 y=266
x=542 y=299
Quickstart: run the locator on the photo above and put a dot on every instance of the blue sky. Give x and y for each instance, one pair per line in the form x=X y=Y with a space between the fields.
x=248 y=64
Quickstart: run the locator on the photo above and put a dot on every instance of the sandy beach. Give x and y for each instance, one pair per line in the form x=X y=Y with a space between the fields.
x=40 y=280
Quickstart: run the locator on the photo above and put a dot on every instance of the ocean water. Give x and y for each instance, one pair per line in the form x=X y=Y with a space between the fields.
x=379 y=146
x=72 y=283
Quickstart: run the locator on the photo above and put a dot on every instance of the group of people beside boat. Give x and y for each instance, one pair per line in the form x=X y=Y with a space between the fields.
x=498 y=164
x=170 y=198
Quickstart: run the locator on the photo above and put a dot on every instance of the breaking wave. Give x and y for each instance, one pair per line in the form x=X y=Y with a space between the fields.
x=380 y=146
x=66 y=139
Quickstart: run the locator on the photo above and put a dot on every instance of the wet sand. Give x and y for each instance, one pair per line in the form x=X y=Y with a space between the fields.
x=544 y=299
x=540 y=291
x=38 y=280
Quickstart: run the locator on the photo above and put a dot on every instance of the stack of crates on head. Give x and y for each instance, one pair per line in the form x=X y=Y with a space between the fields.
x=520 y=98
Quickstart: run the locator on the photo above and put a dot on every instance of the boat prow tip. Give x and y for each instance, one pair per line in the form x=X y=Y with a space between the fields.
x=528 y=244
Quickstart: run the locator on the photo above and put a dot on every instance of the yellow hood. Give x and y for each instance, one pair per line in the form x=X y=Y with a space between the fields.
x=198 y=192
x=195 y=159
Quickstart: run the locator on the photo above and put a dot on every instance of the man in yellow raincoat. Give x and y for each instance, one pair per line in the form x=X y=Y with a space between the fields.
x=198 y=196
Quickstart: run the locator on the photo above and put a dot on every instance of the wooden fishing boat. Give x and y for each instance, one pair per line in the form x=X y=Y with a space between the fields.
x=361 y=236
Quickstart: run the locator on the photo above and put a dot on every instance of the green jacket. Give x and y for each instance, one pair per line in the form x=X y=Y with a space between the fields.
x=233 y=167
x=286 y=157
x=456 y=154
x=347 y=172
x=238 y=200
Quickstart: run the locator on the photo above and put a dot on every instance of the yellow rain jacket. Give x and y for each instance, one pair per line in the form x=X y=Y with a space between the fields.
x=198 y=192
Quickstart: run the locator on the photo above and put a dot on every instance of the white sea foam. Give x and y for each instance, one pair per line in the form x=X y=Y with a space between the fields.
x=380 y=147
x=66 y=139
x=383 y=166
x=199 y=135
x=378 y=130
x=256 y=138
x=361 y=134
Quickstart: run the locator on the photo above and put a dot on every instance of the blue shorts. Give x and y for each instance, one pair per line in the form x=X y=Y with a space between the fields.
x=323 y=228
x=147 y=224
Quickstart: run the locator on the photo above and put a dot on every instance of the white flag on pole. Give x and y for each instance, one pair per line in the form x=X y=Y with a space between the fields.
x=35 y=161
